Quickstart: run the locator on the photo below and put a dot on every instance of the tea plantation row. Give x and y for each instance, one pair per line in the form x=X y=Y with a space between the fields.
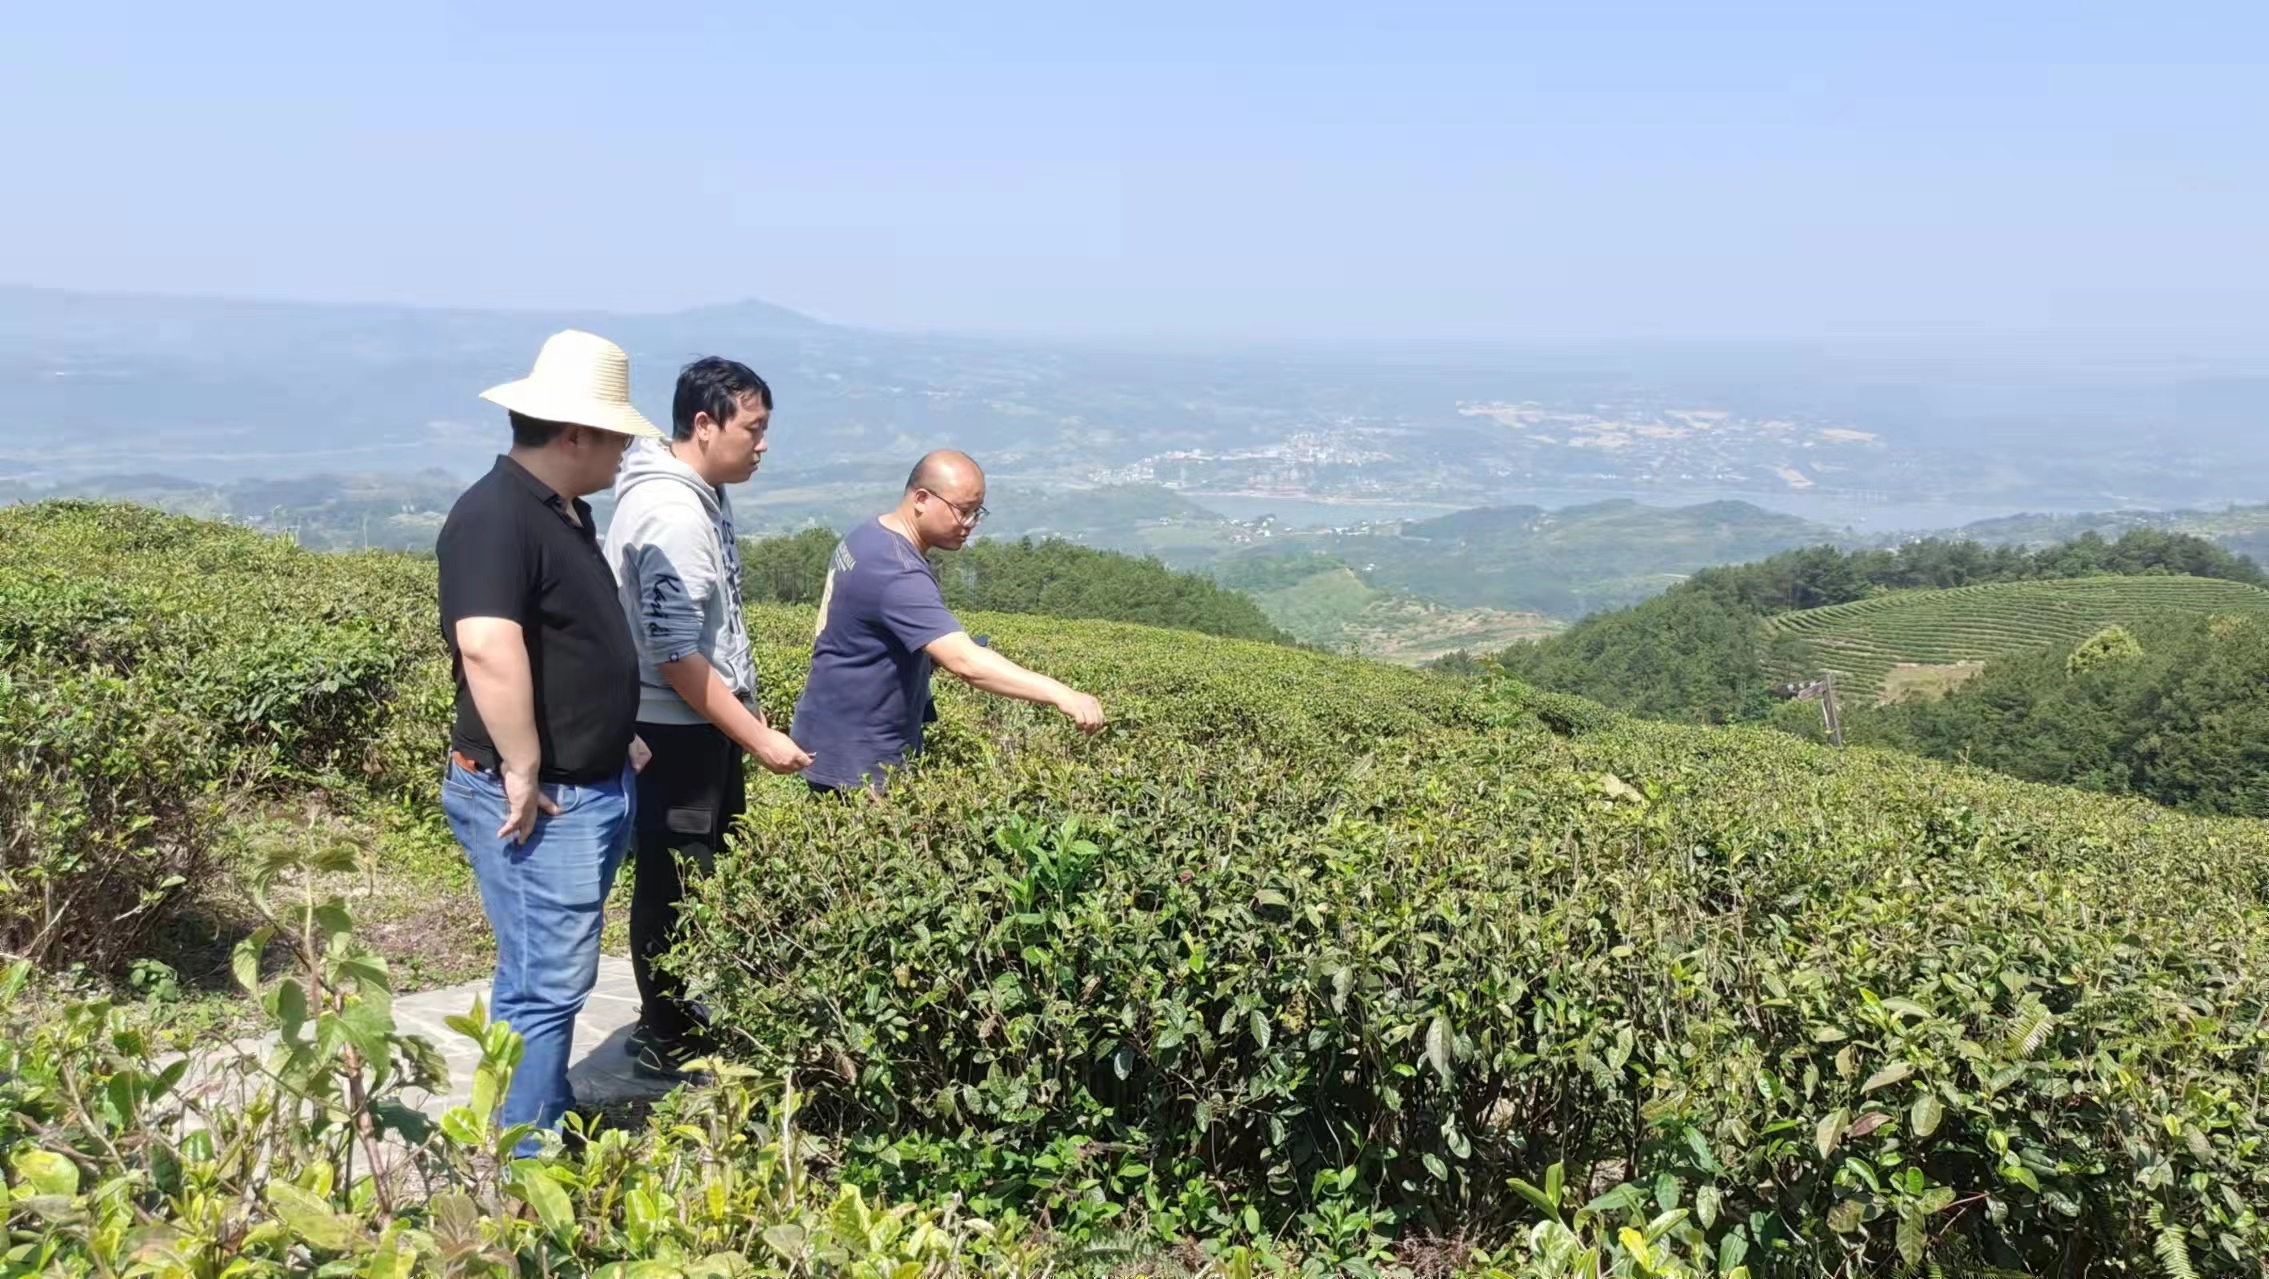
x=1335 y=947
x=1864 y=639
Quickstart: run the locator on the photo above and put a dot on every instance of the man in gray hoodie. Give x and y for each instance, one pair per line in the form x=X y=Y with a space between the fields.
x=677 y=564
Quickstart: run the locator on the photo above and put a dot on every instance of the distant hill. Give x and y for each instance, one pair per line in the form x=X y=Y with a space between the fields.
x=1573 y=561
x=1891 y=643
x=323 y=512
x=2240 y=529
x=403 y=511
x=2034 y=529
x=1473 y=581
x=2174 y=707
x=1050 y=577
x=1703 y=651
x=1332 y=608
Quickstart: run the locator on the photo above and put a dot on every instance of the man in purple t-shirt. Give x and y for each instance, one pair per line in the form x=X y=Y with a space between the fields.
x=883 y=625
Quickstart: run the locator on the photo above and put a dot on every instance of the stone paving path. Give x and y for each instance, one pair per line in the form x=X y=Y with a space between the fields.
x=599 y=1068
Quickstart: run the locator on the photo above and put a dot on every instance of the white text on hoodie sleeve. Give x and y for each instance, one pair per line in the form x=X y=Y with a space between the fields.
x=675 y=556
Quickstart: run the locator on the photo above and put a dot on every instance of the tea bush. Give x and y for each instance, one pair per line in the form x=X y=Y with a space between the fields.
x=123 y=1156
x=156 y=672
x=1313 y=946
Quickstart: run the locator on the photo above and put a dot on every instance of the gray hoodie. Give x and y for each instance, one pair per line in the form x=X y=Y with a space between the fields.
x=678 y=569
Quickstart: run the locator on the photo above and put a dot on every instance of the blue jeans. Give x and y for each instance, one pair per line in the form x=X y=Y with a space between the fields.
x=545 y=900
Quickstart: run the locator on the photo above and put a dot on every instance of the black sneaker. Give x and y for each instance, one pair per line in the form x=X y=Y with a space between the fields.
x=659 y=1059
x=642 y=1034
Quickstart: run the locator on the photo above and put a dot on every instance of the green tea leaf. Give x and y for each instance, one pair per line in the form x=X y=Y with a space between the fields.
x=1846 y=1216
x=391 y=1260
x=1924 y=1115
x=1831 y=1131
x=1913 y=1239
x=244 y=961
x=1732 y=1251
x=1890 y=1074
x=46 y=1172
x=533 y=1185
x=1621 y=1199
x=787 y=1239
x=1439 y=1048
x=1542 y=1200
x=310 y=1219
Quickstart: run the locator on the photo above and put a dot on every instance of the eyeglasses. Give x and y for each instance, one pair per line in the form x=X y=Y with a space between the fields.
x=967 y=516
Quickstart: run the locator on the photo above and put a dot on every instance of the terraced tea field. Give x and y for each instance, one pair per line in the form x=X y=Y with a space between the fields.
x=1866 y=640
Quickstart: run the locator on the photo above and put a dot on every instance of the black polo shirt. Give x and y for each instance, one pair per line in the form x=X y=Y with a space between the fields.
x=509 y=550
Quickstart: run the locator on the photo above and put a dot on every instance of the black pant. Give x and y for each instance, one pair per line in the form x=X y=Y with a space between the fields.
x=688 y=796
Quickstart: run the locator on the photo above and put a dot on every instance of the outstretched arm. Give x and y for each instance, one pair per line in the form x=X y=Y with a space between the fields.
x=990 y=672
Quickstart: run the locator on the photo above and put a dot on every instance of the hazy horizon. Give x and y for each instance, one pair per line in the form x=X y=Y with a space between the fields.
x=2006 y=352
x=2032 y=177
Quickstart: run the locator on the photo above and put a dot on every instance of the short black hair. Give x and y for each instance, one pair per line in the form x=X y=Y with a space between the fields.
x=533 y=432
x=713 y=385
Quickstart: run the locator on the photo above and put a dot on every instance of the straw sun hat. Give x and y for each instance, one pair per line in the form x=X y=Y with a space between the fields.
x=580 y=379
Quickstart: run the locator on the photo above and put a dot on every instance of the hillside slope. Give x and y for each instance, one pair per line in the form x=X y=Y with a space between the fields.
x=1570 y=561
x=1334 y=609
x=1701 y=651
x=2175 y=709
x=1866 y=641
x=1314 y=949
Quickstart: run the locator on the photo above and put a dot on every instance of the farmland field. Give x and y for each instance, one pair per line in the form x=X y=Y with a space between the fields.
x=1335 y=610
x=1865 y=640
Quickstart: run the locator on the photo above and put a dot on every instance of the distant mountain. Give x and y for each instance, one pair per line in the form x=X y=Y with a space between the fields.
x=2239 y=529
x=220 y=390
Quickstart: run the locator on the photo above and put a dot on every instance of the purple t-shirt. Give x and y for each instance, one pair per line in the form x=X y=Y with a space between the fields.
x=869 y=691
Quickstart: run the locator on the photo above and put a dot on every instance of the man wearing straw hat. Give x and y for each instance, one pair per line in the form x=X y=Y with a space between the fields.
x=539 y=784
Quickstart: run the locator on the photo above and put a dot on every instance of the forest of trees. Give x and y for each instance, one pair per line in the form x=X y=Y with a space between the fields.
x=1052 y=577
x=1697 y=652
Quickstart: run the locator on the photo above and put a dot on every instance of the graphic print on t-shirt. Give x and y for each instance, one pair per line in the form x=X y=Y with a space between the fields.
x=840 y=562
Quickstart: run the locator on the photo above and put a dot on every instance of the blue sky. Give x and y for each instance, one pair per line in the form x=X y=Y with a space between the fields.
x=1493 y=172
